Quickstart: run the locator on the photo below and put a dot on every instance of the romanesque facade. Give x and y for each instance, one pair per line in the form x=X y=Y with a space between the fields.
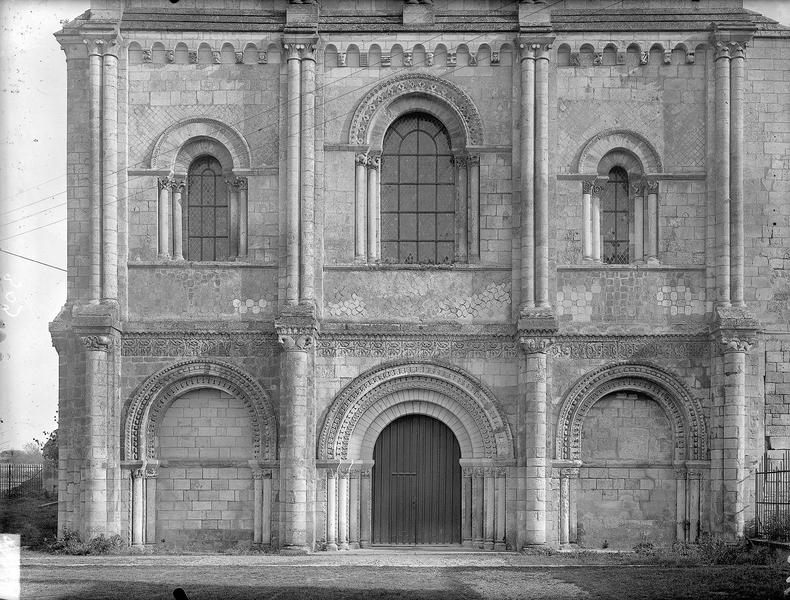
x=369 y=272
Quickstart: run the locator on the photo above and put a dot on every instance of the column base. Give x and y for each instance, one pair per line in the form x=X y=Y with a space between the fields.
x=343 y=546
x=354 y=546
x=488 y=545
x=500 y=547
x=331 y=547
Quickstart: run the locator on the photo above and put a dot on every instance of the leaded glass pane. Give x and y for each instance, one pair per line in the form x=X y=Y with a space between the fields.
x=206 y=225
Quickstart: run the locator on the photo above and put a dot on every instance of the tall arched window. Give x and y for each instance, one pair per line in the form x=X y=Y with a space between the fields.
x=206 y=224
x=417 y=192
x=615 y=217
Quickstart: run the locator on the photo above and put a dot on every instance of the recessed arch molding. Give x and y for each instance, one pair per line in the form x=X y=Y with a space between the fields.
x=168 y=148
x=390 y=98
x=160 y=390
x=605 y=141
x=683 y=410
x=377 y=397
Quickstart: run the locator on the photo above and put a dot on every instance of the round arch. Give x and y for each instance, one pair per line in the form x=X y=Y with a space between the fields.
x=377 y=397
x=409 y=92
x=160 y=390
x=230 y=147
x=682 y=409
x=622 y=141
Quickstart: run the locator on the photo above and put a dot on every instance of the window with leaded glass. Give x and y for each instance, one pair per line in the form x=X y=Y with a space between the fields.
x=417 y=192
x=615 y=217
x=206 y=223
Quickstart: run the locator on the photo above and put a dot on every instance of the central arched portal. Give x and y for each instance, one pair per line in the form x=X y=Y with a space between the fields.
x=417 y=483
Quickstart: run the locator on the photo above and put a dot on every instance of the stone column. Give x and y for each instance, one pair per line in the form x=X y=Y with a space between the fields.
x=527 y=167
x=374 y=163
x=307 y=275
x=737 y=77
x=297 y=342
x=478 y=492
x=639 y=222
x=652 y=221
x=109 y=119
x=461 y=204
x=596 y=222
x=331 y=510
x=466 y=506
x=360 y=212
x=693 y=499
x=233 y=221
x=93 y=474
x=735 y=430
x=151 y=474
x=164 y=213
x=722 y=154
x=567 y=504
x=342 y=509
x=138 y=507
x=241 y=182
x=473 y=218
x=94 y=125
x=501 y=514
x=365 y=498
x=681 y=514
x=292 y=157
x=535 y=450
x=489 y=508
x=542 y=176
x=353 y=509
x=257 y=511
x=176 y=192
x=587 y=240
x=266 y=511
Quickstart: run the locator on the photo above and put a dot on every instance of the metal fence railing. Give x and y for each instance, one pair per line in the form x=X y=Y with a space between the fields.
x=20 y=480
x=772 y=495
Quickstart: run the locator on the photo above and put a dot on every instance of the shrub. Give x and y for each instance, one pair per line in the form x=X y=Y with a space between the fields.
x=70 y=543
x=645 y=548
x=776 y=528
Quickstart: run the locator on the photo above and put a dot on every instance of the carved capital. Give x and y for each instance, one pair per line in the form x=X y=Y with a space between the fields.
x=533 y=345
x=467 y=471
x=644 y=57
x=569 y=472
x=237 y=183
x=138 y=473
x=407 y=59
x=598 y=59
x=261 y=473
x=171 y=56
x=452 y=59
x=429 y=59
x=263 y=57
x=365 y=472
x=193 y=56
x=374 y=161
x=292 y=50
x=690 y=57
x=97 y=343
x=164 y=183
x=176 y=186
x=637 y=187
x=737 y=50
x=587 y=186
x=151 y=471
x=307 y=51
x=722 y=50
x=474 y=160
x=216 y=57
x=459 y=160
x=361 y=159
x=667 y=57
x=295 y=342
x=736 y=341
x=651 y=185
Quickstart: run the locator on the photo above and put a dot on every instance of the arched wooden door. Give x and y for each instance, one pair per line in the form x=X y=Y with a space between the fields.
x=417 y=483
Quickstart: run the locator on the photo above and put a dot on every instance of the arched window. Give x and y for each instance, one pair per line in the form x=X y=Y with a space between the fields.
x=615 y=217
x=417 y=192
x=206 y=225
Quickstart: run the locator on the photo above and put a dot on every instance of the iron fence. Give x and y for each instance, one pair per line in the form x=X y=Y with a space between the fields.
x=772 y=495
x=20 y=480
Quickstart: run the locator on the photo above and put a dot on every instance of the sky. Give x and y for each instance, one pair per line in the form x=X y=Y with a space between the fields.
x=32 y=206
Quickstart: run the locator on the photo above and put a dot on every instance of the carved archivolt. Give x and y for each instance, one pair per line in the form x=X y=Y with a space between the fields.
x=366 y=405
x=159 y=391
x=618 y=139
x=682 y=409
x=221 y=140
x=375 y=111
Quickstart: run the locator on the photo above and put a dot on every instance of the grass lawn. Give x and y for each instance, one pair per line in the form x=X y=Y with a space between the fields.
x=322 y=576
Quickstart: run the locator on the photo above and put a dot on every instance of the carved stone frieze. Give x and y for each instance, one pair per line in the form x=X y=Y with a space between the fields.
x=333 y=345
x=191 y=343
x=628 y=347
x=415 y=83
x=97 y=343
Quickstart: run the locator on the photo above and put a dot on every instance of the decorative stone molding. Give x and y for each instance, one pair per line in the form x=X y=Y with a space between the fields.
x=296 y=341
x=469 y=407
x=198 y=343
x=161 y=389
x=389 y=90
x=603 y=142
x=174 y=138
x=628 y=347
x=683 y=410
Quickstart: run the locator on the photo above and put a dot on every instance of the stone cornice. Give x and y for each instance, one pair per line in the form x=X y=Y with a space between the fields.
x=735 y=329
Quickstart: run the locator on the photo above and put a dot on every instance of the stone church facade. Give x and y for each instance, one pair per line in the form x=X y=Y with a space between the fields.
x=452 y=272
